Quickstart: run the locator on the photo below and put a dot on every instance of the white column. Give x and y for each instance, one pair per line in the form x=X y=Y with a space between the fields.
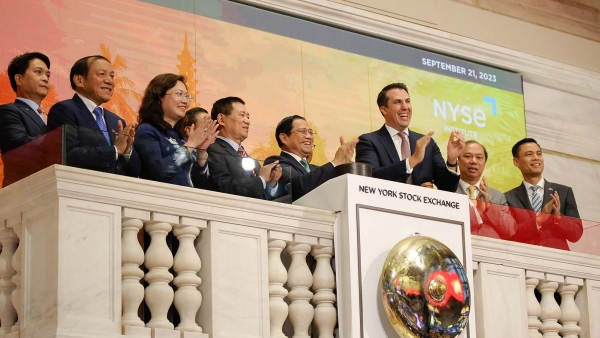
x=16 y=279
x=570 y=314
x=278 y=308
x=158 y=261
x=8 y=314
x=132 y=256
x=533 y=309
x=323 y=285
x=550 y=310
x=300 y=280
x=187 y=264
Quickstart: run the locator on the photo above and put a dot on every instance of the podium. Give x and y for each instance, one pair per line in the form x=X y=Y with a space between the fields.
x=374 y=215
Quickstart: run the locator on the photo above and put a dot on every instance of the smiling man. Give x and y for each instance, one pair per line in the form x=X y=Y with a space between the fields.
x=489 y=212
x=25 y=120
x=96 y=138
x=231 y=169
x=398 y=154
x=295 y=138
x=540 y=205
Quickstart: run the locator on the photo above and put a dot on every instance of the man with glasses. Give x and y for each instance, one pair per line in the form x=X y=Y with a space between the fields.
x=295 y=138
x=97 y=139
x=231 y=169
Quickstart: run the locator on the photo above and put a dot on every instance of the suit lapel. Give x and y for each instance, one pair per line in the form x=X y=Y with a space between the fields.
x=34 y=116
x=112 y=124
x=522 y=196
x=412 y=140
x=460 y=189
x=546 y=192
x=293 y=161
x=388 y=144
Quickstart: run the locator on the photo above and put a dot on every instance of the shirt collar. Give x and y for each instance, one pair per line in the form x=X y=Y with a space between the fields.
x=465 y=185
x=89 y=103
x=231 y=142
x=296 y=157
x=393 y=132
x=30 y=103
x=529 y=185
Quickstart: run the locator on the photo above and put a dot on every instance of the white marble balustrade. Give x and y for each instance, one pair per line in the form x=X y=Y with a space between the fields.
x=72 y=266
x=303 y=286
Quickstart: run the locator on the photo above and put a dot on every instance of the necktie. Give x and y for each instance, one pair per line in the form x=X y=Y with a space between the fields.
x=472 y=197
x=305 y=165
x=43 y=114
x=536 y=200
x=100 y=121
x=405 y=151
x=243 y=154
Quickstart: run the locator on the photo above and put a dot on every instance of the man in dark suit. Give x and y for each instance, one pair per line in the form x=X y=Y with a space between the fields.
x=295 y=138
x=539 y=205
x=490 y=216
x=231 y=170
x=24 y=120
x=96 y=138
x=396 y=153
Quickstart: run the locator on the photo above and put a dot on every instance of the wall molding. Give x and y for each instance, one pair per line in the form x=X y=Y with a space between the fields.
x=534 y=69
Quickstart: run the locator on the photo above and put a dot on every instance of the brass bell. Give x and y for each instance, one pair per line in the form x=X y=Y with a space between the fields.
x=424 y=289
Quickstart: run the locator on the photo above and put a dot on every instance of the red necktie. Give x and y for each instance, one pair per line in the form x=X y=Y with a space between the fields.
x=243 y=154
x=43 y=114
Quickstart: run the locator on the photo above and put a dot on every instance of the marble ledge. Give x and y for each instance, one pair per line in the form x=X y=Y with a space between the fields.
x=536 y=258
x=146 y=196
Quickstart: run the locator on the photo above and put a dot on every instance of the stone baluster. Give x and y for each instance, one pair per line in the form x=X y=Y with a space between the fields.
x=132 y=256
x=550 y=310
x=533 y=309
x=187 y=264
x=300 y=280
x=323 y=285
x=8 y=314
x=16 y=279
x=159 y=294
x=569 y=313
x=278 y=308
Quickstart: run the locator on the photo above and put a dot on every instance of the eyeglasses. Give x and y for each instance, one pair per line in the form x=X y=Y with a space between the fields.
x=180 y=96
x=308 y=132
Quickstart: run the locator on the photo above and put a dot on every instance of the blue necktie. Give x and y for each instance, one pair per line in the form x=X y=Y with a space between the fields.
x=536 y=200
x=100 y=121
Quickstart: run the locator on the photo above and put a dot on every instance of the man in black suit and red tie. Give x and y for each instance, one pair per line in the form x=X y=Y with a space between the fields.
x=295 y=138
x=539 y=206
x=230 y=168
x=398 y=154
x=24 y=120
x=96 y=138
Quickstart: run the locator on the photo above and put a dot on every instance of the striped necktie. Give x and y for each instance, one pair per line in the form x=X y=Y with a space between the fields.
x=536 y=200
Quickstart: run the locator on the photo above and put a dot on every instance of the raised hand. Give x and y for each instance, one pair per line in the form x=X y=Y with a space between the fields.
x=271 y=173
x=483 y=198
x=456 y=144
x=345 y=152
x=124 y=137
x=419 y=153
x=201 y=133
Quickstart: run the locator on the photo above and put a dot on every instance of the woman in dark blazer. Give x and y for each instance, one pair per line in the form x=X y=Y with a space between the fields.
x=164 y=154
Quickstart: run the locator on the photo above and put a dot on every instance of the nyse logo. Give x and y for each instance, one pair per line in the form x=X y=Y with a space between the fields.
x=466 y=114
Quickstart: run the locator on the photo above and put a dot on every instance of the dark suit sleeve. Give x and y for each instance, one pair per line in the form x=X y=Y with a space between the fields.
x=442 y=177
x=571 y=226
x=228 y=176
x=367 y=152
x=82 y=146
x=13 y=133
